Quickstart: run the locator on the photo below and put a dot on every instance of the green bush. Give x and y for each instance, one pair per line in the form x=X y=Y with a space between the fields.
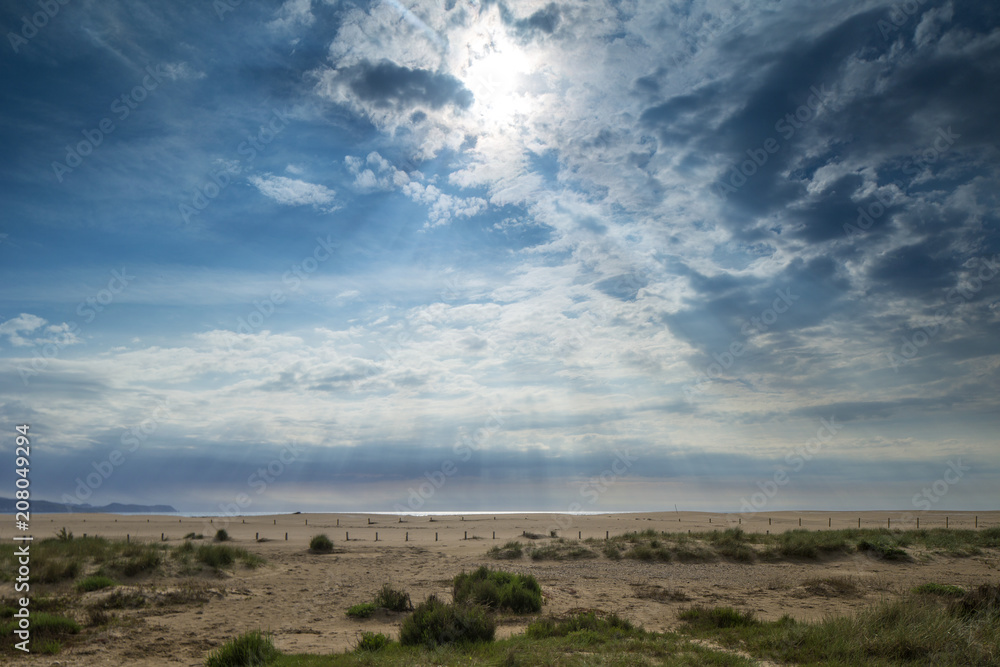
x=433 y=622
x=363 y=610
x=221 y=535
x=372 y=641
x=389 y=598
x=95 y=582
x=321 y=544
x=498 y=589
x=247 y=650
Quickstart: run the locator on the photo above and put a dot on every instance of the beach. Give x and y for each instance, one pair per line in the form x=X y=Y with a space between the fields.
x=302 y=596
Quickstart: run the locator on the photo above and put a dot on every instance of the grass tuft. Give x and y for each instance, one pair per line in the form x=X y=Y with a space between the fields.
x=363 y=610
x=95 y=582
x=247 y=650
x=321 y=544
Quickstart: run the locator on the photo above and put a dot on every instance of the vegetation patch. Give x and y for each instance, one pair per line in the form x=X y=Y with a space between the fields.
x=612 y=626
x=435 y=623
x=512 y=550
x=372 y=641
x=321 y=544
x=497 y=589
x=219 y=556
x=945 y=590
x=247 y=650
x=95 y=582
x=917 y=629
x=363 y=610
x=392 y=599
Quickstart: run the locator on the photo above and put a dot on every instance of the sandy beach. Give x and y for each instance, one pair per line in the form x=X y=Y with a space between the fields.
x=302 y=597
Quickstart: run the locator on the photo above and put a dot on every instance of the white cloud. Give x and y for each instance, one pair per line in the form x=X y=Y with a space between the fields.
x=375 y=173
x=294 y=192
x=26 y=323
x=293 y=14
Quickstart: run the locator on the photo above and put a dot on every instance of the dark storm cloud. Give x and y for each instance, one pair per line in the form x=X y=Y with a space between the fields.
x=387 y=84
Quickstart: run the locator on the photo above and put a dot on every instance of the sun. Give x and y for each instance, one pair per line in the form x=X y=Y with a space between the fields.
x=496 y=73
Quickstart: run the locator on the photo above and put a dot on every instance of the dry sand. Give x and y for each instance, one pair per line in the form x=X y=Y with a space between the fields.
x=302 y=597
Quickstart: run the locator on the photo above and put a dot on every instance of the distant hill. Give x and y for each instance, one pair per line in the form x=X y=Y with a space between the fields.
x=8 y=506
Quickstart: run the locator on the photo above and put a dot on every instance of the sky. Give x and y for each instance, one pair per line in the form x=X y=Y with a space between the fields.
x=459 y=255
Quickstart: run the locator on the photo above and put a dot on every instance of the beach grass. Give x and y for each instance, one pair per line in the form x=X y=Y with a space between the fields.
x=910 y=630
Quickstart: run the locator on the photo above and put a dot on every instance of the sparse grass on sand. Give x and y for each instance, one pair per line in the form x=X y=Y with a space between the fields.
x=914 y=629
x=735 y=545
x=917 y=629
x=386 y=597
x=67 y=557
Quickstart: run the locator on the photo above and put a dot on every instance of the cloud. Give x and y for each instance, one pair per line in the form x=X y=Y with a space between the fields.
x=386 y=84
x=375 y=173
x=293 y=14
x=25 y=323
x=292 y=192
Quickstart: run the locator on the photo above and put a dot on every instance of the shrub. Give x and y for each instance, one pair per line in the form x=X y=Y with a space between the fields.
x=63 y=536
x=221 y=535
x=95 y=582
x=363 y=610
x=433 y=622
x=497 y=589
x=249 y=649
x=389 y=598
x=193 y=536
x=372 y=641
x=321 y=544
